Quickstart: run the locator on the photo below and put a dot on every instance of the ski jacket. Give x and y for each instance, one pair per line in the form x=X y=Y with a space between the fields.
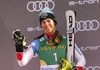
x=49 y=55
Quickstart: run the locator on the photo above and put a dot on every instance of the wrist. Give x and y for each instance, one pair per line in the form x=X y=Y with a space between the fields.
x=19 y=49
x=79 y=67
x=19 y=56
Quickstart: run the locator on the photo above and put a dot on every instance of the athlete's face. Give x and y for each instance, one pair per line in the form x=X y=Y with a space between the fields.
x=48 y=26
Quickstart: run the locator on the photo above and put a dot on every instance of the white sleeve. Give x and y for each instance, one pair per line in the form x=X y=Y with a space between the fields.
x=79 y=57
x=27 y=56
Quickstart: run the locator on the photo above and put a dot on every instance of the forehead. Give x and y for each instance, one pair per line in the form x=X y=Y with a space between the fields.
x=47 y=19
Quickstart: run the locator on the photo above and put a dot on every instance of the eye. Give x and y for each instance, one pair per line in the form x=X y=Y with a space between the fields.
x=48 y=20
x=43 y=22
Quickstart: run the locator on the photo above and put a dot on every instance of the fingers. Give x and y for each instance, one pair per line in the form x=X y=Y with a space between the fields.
x=16 y=34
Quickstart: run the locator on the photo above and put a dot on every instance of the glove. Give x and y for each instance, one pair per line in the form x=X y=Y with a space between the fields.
x=74 y=68
x=64 y=65
x=19 y=41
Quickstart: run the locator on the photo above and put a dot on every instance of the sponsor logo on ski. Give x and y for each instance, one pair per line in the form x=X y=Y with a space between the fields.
x=70 y=26
x=87 y=25
x=39 y=5
x=29 y=29
x=82 y=2
x=92 y=48
x=92 y=68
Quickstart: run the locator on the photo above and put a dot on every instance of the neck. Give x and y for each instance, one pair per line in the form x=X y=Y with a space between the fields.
x=51 y=36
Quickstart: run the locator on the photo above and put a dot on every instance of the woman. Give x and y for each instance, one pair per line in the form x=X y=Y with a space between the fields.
x=50 y=47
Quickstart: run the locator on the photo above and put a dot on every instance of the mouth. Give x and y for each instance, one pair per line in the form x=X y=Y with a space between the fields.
x=48 y=28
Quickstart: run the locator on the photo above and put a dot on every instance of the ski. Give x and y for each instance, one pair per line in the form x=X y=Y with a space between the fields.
x=70 y=18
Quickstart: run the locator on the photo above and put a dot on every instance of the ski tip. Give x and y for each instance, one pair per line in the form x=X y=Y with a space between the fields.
x=71 y=12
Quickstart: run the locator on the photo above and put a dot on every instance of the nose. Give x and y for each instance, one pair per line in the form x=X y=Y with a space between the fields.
x=46 y=23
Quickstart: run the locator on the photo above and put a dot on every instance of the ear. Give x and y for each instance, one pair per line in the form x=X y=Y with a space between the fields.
x=55 y=23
